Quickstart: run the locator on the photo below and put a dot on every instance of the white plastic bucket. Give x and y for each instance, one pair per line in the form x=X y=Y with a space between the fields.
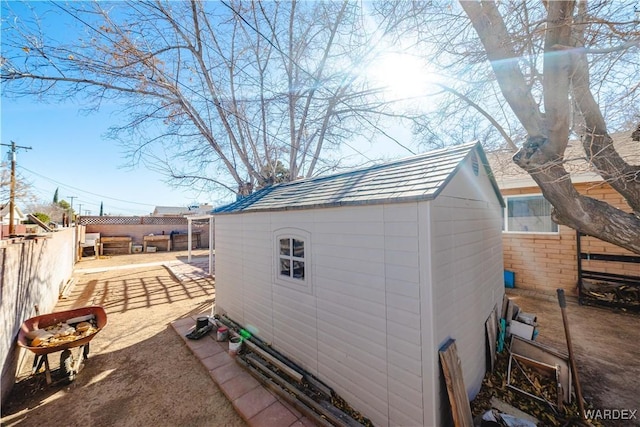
x=235 y=343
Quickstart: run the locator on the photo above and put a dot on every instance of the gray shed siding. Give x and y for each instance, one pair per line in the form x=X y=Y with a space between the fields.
x=389 y=283
x=357 y=329
x=466 y=261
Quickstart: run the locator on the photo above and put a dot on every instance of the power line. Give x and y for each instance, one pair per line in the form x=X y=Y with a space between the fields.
x=43 y=194
x=267 y=39
x=89 y=201
x=220 y=105
x=84 y=191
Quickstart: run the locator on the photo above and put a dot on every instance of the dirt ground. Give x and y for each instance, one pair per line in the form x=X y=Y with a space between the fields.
x=139 y=372
x=606 y=345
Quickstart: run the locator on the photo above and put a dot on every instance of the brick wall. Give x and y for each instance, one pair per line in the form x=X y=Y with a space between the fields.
x=545 y=262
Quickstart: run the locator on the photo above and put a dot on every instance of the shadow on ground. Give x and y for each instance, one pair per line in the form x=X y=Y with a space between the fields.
x=139 y=372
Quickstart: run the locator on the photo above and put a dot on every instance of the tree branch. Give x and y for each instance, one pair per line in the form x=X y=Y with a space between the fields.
x=591 y=51
x=492 y=31
x=484 y=112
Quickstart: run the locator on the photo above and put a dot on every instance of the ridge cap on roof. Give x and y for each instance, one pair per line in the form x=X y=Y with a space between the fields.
x=408 y=159
x=368 y=185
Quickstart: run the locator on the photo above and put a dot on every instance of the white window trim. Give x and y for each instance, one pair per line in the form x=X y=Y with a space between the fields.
x=298 y=234
x=505 y=220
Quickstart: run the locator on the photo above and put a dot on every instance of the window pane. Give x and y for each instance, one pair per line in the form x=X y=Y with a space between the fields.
x=298 y=248
x=298 y=269
x=285 y=267
x=285 y=246
x=530 y=214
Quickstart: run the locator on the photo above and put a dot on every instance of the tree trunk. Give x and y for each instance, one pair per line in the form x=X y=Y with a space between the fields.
x=542 y=154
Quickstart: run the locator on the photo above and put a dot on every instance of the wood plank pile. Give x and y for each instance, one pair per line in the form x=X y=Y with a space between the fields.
x=524 y=374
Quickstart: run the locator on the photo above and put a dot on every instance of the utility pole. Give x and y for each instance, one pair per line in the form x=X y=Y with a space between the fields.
x=12 y=189
x=71 y=213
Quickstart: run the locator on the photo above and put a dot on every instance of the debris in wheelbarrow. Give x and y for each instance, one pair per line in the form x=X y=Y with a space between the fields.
x=67 y=331
x=62 y=331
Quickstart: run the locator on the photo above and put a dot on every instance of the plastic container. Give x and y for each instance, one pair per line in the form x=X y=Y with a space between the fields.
x=509 y=279
x=235 y=344
x=223 y=333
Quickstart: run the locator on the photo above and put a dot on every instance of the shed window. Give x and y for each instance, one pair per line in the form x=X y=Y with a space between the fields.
x=292 y=258
x=528 y=214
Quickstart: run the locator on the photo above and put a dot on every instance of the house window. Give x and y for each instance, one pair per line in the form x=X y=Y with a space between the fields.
x=528 y=214
x=292 y=258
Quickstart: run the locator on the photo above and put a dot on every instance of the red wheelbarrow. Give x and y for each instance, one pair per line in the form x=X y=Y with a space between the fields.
x=62 y=331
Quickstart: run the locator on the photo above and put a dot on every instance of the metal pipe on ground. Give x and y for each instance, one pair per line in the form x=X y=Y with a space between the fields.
x=310 y=378
x=269 y=382
x=328 y=411
x=274 y=361
x=234 y=325
x=285 y=385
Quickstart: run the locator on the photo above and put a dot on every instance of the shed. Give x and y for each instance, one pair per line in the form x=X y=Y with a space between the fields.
x=361 y=276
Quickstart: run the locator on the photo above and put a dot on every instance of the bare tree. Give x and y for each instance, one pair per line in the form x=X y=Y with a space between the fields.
x=223 y=93
x=238 y=93
x=565 y=83
x=544 y=71
x=23 y=193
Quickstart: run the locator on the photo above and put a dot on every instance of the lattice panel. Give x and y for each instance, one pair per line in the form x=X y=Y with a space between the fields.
x=163 y=220
x=132 y=220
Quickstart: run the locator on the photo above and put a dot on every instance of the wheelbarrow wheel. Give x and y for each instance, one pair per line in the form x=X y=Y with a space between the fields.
x=66 y=365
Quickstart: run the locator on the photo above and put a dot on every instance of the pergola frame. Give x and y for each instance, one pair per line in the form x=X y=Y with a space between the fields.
x=190 y=219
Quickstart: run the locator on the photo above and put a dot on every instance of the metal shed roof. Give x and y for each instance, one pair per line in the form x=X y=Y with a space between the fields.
x=415 y=178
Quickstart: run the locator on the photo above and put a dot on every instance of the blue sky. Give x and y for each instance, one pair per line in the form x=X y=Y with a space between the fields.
x=70 y=152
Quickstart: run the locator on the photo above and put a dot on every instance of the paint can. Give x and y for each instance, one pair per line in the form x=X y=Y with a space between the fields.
x=223 y=333
x=235 y=344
